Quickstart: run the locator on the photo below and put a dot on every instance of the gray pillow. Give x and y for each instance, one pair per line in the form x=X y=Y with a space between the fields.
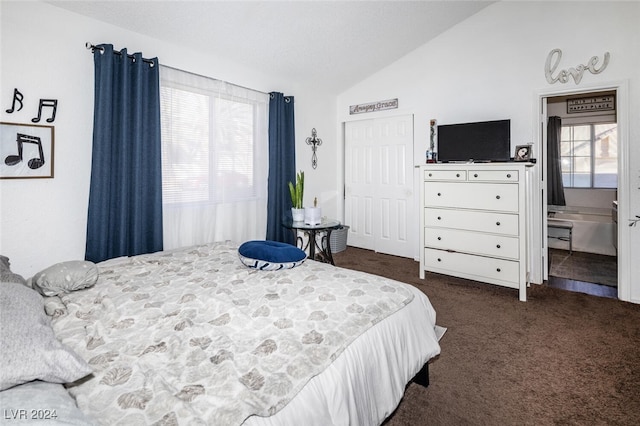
x=65 y=277
x=6 y=275
x=29 y=349
x=40 y=402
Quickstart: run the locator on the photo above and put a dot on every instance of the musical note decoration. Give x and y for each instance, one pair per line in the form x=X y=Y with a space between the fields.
x=17 y=97
x=34 y=163
x=315 y=142
x=46 y=103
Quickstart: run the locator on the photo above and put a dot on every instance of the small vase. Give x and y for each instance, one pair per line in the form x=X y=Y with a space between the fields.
x=297 y=214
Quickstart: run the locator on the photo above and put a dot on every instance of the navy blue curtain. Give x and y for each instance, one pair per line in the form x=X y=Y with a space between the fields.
x=282 y=166
x=125 y=198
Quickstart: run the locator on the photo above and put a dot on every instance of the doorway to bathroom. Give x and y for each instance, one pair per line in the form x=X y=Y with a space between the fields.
x=581 y=231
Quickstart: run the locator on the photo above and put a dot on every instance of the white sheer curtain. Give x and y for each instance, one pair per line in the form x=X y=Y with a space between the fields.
x=215 y=160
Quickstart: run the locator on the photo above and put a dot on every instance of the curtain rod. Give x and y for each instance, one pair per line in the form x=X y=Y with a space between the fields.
x=211 y=78
x=92 y=47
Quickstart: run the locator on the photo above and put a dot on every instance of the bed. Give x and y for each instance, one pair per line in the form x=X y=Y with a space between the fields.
x=193 y=336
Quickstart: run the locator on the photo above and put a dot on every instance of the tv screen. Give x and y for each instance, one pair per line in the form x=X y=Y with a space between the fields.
x=481 y=142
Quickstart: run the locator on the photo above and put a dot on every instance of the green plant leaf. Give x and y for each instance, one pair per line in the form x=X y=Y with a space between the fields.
x=297 y=192
x=292 y=193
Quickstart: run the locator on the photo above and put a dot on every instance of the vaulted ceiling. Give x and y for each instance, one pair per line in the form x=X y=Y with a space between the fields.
x=327 y=44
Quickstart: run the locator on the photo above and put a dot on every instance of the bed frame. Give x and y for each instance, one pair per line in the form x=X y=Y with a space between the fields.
x=422 y=377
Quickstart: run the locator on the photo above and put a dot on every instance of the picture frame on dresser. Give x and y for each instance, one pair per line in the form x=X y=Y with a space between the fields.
x=522 y=153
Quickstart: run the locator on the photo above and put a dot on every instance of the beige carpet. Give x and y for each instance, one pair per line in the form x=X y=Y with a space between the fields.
x=560 y=358
x=586 y=267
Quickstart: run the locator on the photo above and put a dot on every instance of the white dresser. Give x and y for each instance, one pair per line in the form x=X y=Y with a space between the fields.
x=473 y=222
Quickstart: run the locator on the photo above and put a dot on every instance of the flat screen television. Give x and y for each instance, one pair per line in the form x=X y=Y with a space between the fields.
x=484 y=141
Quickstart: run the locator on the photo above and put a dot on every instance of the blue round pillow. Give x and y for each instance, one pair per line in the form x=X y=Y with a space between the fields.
x=270 y=255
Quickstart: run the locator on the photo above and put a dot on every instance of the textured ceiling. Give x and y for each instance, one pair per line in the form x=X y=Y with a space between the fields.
x=327 y=44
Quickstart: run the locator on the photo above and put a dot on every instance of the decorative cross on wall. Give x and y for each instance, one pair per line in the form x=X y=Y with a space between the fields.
x=315 y=142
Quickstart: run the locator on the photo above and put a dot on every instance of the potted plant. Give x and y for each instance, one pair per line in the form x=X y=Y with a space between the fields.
x=297 y=192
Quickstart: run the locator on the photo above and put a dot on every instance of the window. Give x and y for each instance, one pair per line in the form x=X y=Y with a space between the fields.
x=589 y=155
x=215 y=160
x=208 y=146
x=185 y=146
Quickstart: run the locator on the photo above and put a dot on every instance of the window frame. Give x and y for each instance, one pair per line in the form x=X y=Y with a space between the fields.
x=592 y=158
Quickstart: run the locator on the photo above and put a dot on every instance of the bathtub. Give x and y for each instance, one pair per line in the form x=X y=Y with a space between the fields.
x=593 y=229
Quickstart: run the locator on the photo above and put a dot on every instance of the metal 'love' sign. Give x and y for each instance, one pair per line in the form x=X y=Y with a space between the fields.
x=553 y=60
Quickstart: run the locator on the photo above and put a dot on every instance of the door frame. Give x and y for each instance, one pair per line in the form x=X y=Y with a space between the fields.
x=538 y=244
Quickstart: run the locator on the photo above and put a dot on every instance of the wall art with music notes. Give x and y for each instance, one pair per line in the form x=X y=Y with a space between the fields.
x=26 y=151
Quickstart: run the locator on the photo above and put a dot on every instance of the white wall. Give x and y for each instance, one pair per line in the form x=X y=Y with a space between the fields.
x=43 y=221
x=318 y=111
x=598 y=198
x=491 y=66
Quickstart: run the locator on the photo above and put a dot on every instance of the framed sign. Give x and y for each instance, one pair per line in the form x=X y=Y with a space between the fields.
x=374 y=106
x=591 y=104
x=26 y=151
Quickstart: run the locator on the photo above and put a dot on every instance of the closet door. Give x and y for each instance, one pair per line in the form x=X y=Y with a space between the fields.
x=379 y=184
x=359 y=163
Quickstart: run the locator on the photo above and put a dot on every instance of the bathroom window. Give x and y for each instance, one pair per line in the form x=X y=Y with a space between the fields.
x=589 y=155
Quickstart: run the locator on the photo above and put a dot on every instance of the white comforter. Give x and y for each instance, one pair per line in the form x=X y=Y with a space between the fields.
x=192 y=336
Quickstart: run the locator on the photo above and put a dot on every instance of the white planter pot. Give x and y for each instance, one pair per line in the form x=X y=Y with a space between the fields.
x=297 y=214
x=312 y=215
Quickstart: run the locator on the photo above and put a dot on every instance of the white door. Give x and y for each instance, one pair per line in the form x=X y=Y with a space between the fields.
x=359 y=182
x=379 y=185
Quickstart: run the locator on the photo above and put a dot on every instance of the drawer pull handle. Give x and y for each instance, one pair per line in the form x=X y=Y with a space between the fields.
x=430 y=174
x=509 y=175
x=439 y=194
x=457 y=174
x=439 y=260
x=497 y=197
x=498 y=245
x=497 y=223
x=439 y=238
x=439 y=218
x=498 y=269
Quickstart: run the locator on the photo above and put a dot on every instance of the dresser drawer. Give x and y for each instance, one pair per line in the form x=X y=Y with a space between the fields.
x=492 y=222
x=479 y=268
x=494 y=175
x=482 y=196
x=472 y=242
x=457 y=175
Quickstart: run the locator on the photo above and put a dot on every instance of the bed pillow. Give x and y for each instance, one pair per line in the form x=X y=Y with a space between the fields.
x=270 y=255
x=43 y=403
x=65 y=277
x=6 y=275
x=30 y=350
